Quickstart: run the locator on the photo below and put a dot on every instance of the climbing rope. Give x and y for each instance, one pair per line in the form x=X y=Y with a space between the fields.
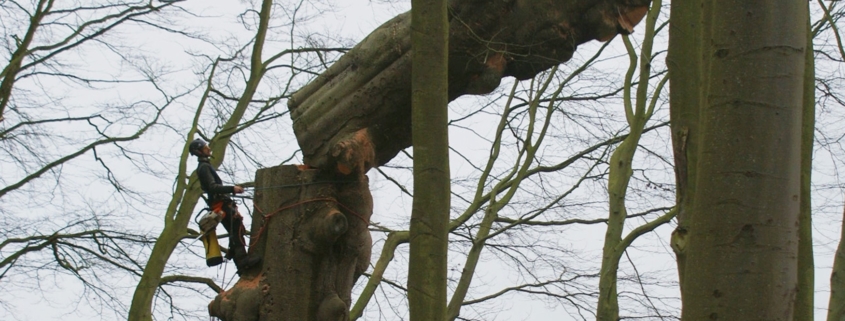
x=279 y=210
x=300 y=185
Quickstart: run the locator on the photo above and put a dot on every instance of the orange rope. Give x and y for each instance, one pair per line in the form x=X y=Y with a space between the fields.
x=279 y=210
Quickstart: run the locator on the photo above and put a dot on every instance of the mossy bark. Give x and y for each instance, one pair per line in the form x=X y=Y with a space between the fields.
x=621 y=167
x=836 y=303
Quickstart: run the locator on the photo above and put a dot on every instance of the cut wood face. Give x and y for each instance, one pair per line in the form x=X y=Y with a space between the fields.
x=370 y=86
x=355 y=151
x=629 y=19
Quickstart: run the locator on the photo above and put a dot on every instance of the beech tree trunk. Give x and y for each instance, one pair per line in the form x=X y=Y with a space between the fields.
x=686 y=68
x=364 y=99
x=742 y=245
x=804 y=308
x=310 y=227
x=429 y=228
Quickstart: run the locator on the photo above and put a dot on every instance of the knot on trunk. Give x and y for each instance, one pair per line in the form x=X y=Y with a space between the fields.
x=314 y=241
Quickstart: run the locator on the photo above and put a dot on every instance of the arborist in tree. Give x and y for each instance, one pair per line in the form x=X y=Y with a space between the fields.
x=223 y=208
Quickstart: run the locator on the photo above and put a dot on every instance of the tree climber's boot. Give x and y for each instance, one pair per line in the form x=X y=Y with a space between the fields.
x=243 y=261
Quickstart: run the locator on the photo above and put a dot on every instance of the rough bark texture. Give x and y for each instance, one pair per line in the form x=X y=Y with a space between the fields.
x=311 y=230
x=430 y=124
x=368 y=91
x=743 y=241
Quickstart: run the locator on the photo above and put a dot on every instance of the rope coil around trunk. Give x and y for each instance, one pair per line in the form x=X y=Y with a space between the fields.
x=279 y=210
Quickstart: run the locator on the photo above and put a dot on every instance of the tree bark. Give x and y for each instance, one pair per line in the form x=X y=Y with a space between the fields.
x=743 y=241
x=685 y=64
x=621 y=170
x=804 y=301
x=430 y=125
x=836 y=303
x=310 y=228
x=368 y=91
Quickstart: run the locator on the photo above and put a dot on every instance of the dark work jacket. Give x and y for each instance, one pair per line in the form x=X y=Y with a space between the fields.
x=211 y=183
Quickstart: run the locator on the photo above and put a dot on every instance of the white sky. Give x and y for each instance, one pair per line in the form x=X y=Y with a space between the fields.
x=353 y=19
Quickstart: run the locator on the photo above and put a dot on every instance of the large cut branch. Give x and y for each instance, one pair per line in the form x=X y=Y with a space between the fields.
x=357 y=114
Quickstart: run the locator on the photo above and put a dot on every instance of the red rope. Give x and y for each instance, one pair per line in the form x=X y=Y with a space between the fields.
x=279 y=210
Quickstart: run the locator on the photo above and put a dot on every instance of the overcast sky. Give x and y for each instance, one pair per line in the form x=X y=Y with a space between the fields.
x=353 y=20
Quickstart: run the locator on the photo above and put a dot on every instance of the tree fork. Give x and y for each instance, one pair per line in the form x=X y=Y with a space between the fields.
x=310 y=227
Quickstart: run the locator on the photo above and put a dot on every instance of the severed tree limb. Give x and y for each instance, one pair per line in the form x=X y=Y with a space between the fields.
x=357 y=113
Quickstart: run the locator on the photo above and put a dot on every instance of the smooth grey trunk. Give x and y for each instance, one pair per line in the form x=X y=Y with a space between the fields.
x=804 y=301
x=430 y=126
x=742 y=244
x=684 y=61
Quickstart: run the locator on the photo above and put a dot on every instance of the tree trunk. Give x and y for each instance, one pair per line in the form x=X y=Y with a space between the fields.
x=311 y=230
x=836 y=303
x=743 y=240
x=430 y=122
x=806 y=276
x=368 y=91
x=685 y=65
x=621 y=169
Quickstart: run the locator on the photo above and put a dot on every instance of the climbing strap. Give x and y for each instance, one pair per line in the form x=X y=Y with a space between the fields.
x=279 y=210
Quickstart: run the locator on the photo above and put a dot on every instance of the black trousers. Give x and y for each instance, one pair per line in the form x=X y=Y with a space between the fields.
x=232 y=221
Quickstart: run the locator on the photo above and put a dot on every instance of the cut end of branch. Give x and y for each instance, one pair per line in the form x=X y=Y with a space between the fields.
x=354 y=153
x=238 y=303
x=630 y=17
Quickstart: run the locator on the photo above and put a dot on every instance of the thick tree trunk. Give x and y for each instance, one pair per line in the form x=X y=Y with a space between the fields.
x=311 y=230
x=367 y=93
x=743 y=241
